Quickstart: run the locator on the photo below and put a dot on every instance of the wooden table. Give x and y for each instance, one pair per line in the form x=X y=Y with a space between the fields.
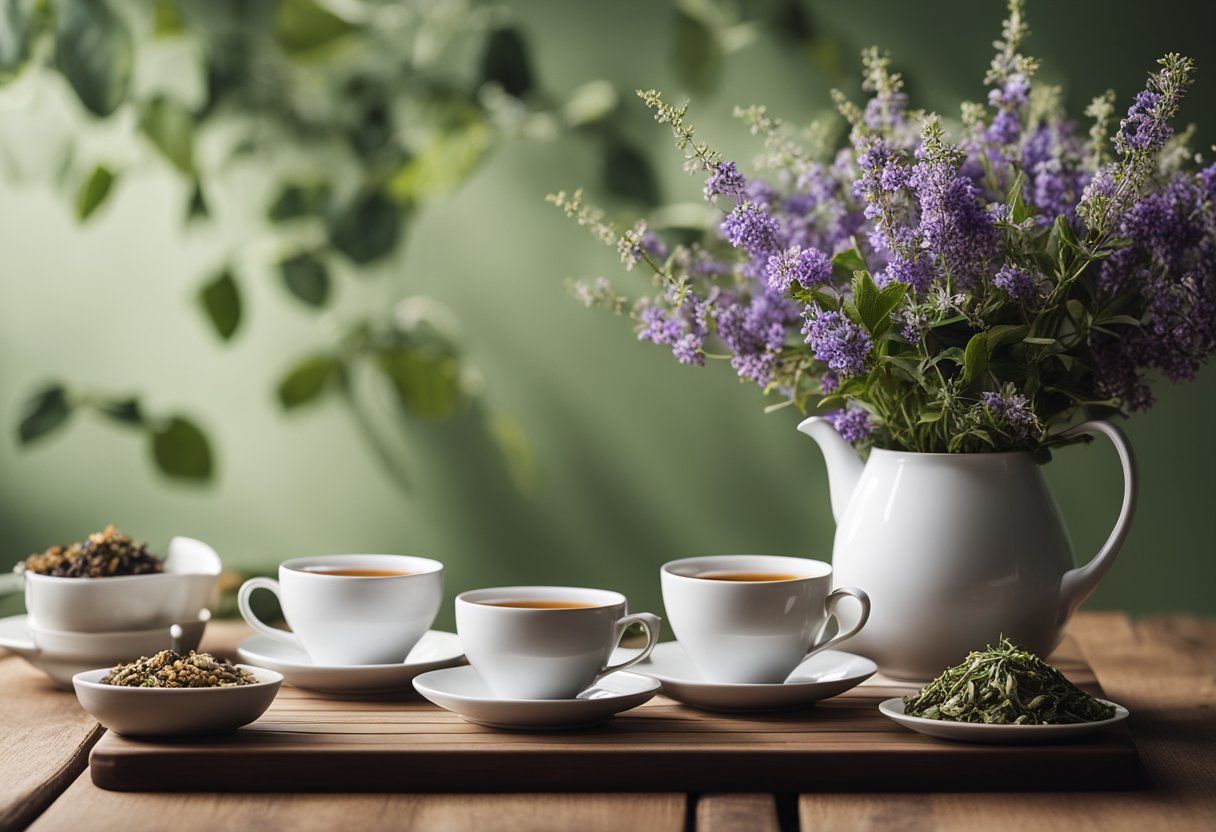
x=1162 y=668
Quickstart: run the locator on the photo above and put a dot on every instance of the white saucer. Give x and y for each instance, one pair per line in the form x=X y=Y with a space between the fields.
x=1002 y=734
x=821 y=676
x=462 y=691
x=62 y=655
x=434 y=650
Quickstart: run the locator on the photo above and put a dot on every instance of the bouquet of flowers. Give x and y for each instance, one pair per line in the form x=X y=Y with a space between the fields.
x=930 y=292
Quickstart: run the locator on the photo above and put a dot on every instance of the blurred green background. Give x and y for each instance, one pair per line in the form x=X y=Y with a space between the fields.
x=634 y=460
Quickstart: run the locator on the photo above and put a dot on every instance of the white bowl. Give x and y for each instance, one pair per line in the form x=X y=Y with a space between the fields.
x=128 y=602
x=167 y=712
x=84 y=651
x=119 y=646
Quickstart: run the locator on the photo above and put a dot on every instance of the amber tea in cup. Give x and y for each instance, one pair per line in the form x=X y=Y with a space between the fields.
x=356 y=573
x=747 y=576
x=540 y=605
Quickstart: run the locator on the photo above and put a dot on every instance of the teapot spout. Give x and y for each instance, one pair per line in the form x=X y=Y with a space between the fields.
x=844 y=465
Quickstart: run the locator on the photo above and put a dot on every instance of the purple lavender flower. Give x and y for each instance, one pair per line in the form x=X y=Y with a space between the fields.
x=658 y=327
x=754 y=332
x=806 y=267
x=751 y=228
x=913 y=324
x=688 y=349
x=852 y=423
x=1144 y=128
x=1013 y=414
x=725 y=180
x=956 y=229
x=837 y=341
x=1015 y=282
x=1009 y=99
x=829 y=383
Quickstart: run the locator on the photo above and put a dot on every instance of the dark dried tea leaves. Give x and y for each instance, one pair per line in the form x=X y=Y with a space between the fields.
x=104 y=554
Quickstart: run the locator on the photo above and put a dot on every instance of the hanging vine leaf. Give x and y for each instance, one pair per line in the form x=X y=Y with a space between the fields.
x=697 y=53
x=427 y=382
x=628 y=174
x=306 y=381
x=93 y=192
x=170 y=127
x=299 y=199
x=307 y=277
x=45 y=411
x=123 y=411
x=181 y=450
x=17 y=21
x=167 y=18
x=368 y=228
x=304 y=25
x=444 y=164
x=506 y=61
x=221 y=301
x=95 y=53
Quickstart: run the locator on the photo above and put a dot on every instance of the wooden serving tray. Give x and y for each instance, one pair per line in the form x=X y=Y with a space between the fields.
x=404 y=744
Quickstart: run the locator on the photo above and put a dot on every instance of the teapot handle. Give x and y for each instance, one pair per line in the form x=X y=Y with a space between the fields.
x=1079 y=583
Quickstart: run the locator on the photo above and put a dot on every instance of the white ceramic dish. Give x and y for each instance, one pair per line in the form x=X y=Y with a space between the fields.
x=128 y=602
x=167 y=712
x=462 y=691
x=436 y=649
x=820 y=676
x=1002 y=734
x=62 y=655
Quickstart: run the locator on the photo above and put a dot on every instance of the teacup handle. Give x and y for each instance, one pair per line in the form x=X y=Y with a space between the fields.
x=829 y=606
x=242 y=601
x=650 y=623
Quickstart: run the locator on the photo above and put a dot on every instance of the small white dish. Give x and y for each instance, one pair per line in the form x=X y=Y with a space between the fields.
x=1002 y=734
x=62 y=655
x=462 y=691
x=820 y=676
x=170 y=712
x=128 y=602
x=435 y=650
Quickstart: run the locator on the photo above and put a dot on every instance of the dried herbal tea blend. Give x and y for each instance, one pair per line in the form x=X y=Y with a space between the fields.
x=1005 y=685
x=104 y=554
x=168 y=669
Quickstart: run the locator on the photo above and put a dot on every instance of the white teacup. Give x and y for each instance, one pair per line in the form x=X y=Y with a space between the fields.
x=546 y=653
x=752 y=631
x=352 y=619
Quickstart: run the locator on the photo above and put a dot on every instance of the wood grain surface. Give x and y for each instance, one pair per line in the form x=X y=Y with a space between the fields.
x=1163 y=669
x=309 y=742
x=45 y=741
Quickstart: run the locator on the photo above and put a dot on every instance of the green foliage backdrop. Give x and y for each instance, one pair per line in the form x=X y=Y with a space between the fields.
x=622 y=459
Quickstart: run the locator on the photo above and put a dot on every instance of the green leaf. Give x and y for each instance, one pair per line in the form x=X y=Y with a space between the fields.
x=1076 y=310
x=1017 y=205
x=93 y=192
x=167 y=18
x=874 y=306
x=516 y=450
x=45 y=411
x=301 y=26
x=975 y=358
x=17 y=20
x=1126 y=320
x=928 y=417
x=170 y=127
x=368 y=228
x=628 y=174
x=697 y=53
x=306 y=381
x=590 y=103
x=845 y=264
x=181 y=450
x=300 y=199
x=221 y=301
x=307 y=277
x=506 y=62
x=1003 y=334
x=1045 y=342
x=125 y=411
x=1063 y=232
x=95 y=53
x=427 y=382
x=447 y=160
x=197 y=208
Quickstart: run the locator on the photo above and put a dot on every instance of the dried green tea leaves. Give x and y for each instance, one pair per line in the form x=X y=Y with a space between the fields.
x=168 y=669
x=104 y=554
x=1005 y=685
